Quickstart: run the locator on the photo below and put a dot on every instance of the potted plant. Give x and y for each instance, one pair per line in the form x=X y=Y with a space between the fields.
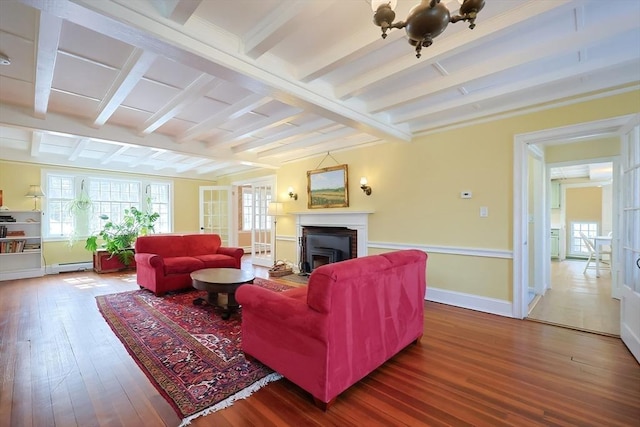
x=118 y=237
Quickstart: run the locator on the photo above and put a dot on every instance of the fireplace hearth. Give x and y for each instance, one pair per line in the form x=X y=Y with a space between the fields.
x=324 y=245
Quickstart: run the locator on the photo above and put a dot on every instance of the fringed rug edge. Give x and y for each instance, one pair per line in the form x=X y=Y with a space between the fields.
x=242 y=394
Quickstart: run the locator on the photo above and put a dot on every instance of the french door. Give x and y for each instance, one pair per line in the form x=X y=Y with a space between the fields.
x=630 y=253
x=262 y=237
x=216 y=212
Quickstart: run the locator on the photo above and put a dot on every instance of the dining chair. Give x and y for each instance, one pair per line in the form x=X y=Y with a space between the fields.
x=592 y=254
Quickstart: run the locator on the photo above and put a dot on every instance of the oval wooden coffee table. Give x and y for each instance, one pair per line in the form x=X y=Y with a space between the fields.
x=218 y=281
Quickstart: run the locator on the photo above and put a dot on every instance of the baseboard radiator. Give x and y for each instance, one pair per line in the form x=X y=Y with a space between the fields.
x=70 y=266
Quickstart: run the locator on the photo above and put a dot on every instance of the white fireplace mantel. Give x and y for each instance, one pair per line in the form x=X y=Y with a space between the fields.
x=355 y=220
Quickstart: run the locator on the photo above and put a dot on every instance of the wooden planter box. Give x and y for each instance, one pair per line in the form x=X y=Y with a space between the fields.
x=103 y=263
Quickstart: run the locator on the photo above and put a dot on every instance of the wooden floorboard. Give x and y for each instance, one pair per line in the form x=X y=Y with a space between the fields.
x=62 y=366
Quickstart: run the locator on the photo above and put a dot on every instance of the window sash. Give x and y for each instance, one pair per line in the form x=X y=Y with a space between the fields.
x=110 y=195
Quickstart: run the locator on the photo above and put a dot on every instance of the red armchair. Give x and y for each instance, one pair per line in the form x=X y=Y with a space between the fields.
x=164 y=262
x=352 y=317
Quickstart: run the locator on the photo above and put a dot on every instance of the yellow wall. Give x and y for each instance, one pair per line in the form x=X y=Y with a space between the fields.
x=598 y=148
x=584 y=204
x=416 y=192
x=16 y=177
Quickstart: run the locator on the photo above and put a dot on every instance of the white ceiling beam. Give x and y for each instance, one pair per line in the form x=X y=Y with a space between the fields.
x=262 y=124
x=580 y=68
x=114 y=154
x=192 y=44
x=36 y=140
x=81 y=144
x=307 y=142
x=167 y=163
x=360 y=44
x=196 y=90
x=142 y=159
x=508 y=61
x=47 y=40
x=178 y=11
x=192 y=165
x=229 y=113
x=280 y=136
x=273 y=28
x=524 y=102
x=449 y=46
x=132 y=71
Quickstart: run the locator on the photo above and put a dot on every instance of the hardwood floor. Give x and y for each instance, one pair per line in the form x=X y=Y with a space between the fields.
x=579 y=300
x=61 y=365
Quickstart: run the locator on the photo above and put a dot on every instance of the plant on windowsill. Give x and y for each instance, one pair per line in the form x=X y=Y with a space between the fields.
x=118 y=238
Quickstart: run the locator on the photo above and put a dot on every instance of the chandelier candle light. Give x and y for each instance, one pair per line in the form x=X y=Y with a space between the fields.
x=426 y=20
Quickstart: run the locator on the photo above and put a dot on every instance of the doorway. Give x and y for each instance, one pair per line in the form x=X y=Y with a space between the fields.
x=580 y=201
x=581 y=133
x=254 y=225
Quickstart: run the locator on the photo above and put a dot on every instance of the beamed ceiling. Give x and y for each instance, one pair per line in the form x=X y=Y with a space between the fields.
x=208 y=88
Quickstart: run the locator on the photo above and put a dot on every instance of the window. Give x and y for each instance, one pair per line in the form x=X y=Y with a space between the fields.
x=576 y=244
x=108 y=196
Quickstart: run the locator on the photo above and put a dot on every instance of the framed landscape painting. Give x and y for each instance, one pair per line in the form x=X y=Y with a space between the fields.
x=328 y=187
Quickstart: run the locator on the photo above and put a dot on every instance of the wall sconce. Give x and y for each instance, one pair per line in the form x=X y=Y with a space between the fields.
x=36 y=192
x=364 y=186
x=292 y=195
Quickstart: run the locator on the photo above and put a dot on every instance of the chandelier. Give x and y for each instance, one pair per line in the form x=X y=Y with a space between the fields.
x=426 y=20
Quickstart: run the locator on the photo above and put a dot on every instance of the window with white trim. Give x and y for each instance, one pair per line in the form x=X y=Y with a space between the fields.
x=65 y=217
x=577 y=247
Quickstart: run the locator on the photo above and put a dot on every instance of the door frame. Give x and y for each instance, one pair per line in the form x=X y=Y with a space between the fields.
x=612 y=127
x=262 y=180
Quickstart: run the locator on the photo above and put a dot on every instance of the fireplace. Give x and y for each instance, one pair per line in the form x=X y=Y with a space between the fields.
x=324 y=245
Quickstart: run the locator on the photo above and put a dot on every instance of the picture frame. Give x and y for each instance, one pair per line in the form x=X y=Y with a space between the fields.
x=328 y=187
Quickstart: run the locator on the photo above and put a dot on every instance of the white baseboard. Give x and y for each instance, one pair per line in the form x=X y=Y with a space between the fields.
x=68 y=267
x=473 y=302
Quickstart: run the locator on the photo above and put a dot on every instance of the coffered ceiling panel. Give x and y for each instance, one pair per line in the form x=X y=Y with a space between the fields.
x=203 y=89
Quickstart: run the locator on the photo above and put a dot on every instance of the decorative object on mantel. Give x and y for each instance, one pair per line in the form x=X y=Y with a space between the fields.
x=280 y=268
x=36 y=192
x=426 y=20
x=328 y=187
x=292 y=195
x=364 y=186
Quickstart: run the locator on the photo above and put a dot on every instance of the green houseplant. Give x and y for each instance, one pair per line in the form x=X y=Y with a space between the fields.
x=118 y=237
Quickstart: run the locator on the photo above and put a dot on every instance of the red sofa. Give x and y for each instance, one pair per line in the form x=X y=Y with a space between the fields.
x=164 y=261
x=352 y=317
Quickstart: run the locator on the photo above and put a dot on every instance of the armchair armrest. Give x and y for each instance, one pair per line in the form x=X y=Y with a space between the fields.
x=151 y=260
x=233 y=252
x=282 y=313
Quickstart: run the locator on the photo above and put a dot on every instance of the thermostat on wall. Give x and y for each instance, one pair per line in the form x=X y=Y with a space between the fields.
x=465 y=195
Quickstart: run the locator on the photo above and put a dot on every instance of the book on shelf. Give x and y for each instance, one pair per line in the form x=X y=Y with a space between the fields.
x=12 y=246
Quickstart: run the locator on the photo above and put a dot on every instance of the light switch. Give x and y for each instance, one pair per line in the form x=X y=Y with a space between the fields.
x=484 y=211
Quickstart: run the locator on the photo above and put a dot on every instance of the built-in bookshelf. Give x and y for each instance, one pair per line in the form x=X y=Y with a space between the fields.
x=20 y=244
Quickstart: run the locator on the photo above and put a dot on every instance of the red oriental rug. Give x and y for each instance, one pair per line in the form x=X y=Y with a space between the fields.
x=189 y=353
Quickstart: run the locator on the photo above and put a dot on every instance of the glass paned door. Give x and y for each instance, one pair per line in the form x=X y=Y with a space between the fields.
x=215 y=212
x=630 y=301
x=262 y=238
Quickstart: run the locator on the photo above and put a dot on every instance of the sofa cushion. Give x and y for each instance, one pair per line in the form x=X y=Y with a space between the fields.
x=182 y=264
x=164 y=245
x=201 y=244
x=217 y=261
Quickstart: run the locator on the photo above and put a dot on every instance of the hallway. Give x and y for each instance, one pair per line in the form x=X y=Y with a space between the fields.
x=578 y=301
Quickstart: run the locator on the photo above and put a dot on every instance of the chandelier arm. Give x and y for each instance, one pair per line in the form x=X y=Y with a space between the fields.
x=471 y=17
x=399 y=25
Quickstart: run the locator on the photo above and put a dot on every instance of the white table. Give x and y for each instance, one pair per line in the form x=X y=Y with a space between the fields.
x=598 y=242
